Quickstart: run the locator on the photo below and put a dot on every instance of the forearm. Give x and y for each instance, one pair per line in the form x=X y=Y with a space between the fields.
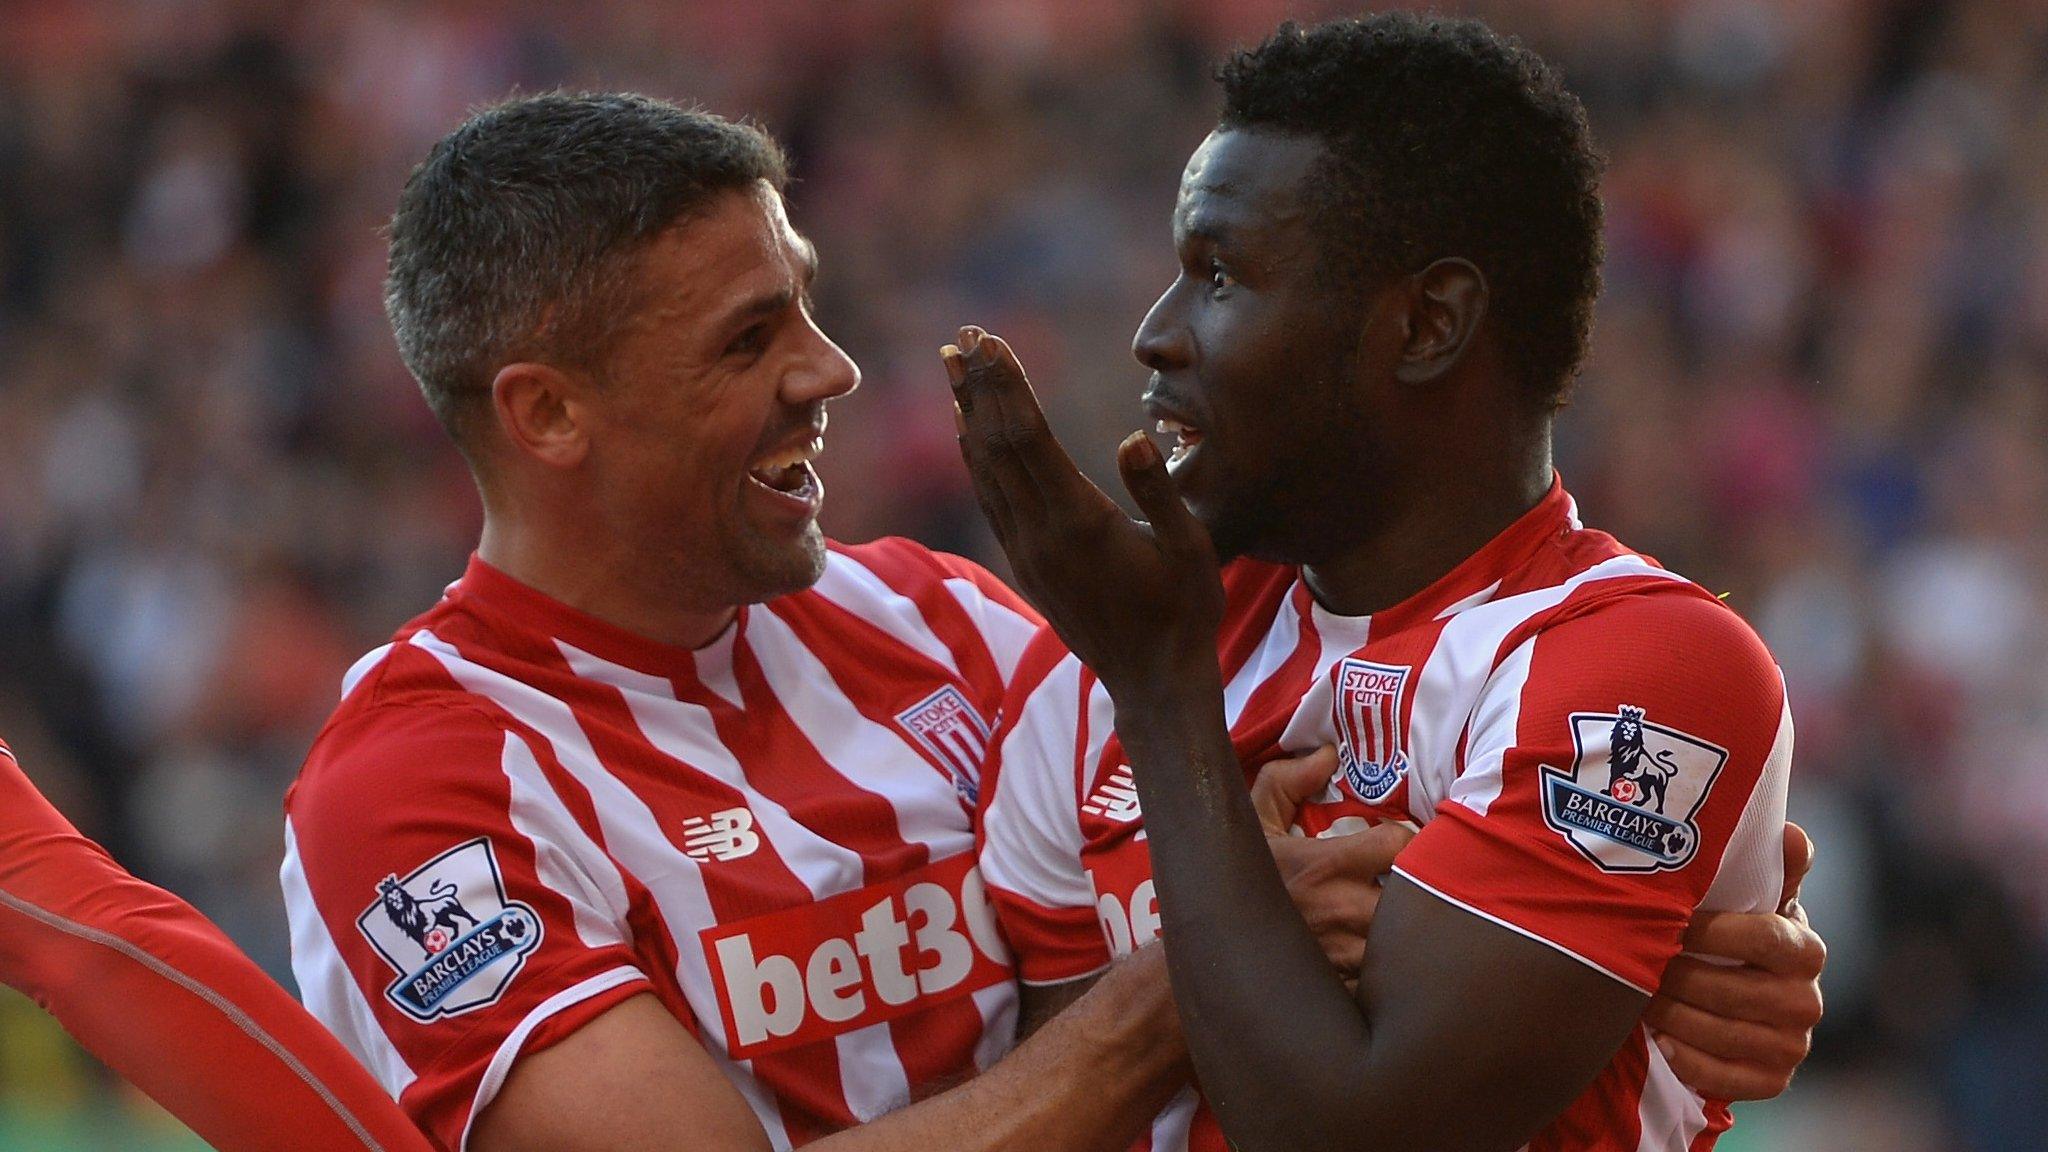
x=152 y=988
x=1241 y=957
x=1090 y=1080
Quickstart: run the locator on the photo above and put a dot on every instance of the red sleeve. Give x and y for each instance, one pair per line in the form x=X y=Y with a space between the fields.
x=450 y=912
x=152 y=988
x=1621 y=764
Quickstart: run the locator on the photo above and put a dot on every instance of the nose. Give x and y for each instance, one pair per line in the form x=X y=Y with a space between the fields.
x=824 y=372
x=1162 y=342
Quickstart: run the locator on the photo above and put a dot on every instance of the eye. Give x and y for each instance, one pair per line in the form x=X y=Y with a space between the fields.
x=750 y=342
x=1220 y=277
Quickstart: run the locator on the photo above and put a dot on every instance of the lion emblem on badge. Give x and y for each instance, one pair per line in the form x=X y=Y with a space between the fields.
x=1635 y=774
x=432 y=923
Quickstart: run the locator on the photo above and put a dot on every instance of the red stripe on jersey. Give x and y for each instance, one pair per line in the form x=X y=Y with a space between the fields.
x=1606 y=1117
x=942 y=613
x=768 y=884
x=871 y=673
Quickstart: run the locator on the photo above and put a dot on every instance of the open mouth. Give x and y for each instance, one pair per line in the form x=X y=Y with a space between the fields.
x=1185 y=438
x=787 y=471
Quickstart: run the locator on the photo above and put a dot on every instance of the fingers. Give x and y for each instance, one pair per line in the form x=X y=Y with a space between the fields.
x=1005 y=427
x=1283 y=786
x=1146 y=479
x=989 y=491
x=1721 y=1079
x=1372 y=852
x=1763 y=940
x=1741 y=1040
x=1798 y=861
x=1743 y=993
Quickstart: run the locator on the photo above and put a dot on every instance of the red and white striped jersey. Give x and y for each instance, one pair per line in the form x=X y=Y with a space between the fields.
x=1592 y=746
x=521 y=815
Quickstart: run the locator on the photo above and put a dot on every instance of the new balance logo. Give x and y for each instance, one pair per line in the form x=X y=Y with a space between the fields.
x=1116 y=798
x=726 y=835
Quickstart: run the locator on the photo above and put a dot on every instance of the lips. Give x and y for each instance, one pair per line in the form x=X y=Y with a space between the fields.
x=784 y=473
x=787 y=469
x=1172 y=421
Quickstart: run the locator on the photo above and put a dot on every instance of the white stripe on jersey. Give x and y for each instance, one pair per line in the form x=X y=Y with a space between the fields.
x=633 y=837
x=1752 y=872
x=361 y=668
x=325 y=985
x=508 y=1051
x=1336 y=637
x=1007 y=632
x=1465 y=652
x=870 y=1072
x=1495 y=728
x=1045 y=805
x=890 y=764
x=686 y=731
x=848 y=584
x=565 y=859
x=998 y=1007
x=1669 y=1113
x=1280 y=642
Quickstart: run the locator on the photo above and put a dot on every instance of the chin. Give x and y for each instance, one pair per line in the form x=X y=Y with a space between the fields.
x=787 y=567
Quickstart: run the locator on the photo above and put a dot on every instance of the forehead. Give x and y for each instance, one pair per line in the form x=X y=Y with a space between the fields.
x=742 y=244
x=1245 y=182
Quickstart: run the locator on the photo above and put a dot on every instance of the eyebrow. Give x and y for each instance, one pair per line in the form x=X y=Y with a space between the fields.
x=773 y=302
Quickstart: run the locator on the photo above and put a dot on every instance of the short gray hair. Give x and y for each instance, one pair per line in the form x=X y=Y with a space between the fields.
x=511 y=235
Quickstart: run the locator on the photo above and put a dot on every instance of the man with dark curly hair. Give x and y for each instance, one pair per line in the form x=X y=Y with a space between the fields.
x=1389 y=251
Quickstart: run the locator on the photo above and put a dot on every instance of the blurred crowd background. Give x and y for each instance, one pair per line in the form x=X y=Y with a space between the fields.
x=1817 y=385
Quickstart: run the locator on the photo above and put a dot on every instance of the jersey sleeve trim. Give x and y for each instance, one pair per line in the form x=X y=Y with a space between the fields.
x=1517 y=929
x=510 y=1050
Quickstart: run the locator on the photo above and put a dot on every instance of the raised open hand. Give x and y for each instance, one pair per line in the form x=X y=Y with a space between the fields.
x=1135 y=600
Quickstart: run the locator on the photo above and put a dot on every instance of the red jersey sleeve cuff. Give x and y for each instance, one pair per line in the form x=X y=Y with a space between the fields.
x=549 y=1023
x=1053 y=945
x=1615 y=924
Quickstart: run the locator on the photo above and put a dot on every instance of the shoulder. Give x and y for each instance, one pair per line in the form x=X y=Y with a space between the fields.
x=908 y=568
x=403 y=730
x=1665 y=644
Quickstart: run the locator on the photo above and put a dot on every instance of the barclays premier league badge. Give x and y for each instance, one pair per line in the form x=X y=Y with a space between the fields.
x=1629 y=801
x=451 y=934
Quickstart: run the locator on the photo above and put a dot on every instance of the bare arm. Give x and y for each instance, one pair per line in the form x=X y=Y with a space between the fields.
x=1089 y=1080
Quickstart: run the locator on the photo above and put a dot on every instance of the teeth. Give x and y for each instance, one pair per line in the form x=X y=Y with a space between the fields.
x=791 y=457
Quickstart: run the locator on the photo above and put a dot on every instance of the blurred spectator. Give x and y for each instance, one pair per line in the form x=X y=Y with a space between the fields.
x=1817 y=384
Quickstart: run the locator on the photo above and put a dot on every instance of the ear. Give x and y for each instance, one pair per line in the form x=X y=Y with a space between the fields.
x=1446 y=305
x=541 y=411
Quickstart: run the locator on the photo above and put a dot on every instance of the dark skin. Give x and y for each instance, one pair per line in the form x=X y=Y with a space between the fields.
x=1301 y=397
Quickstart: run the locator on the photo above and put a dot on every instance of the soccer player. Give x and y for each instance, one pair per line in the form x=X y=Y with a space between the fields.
x=1389 y=256
x=154 y=990
x=657 y=831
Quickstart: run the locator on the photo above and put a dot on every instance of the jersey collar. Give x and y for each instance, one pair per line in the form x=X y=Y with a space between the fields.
x=1478 y=578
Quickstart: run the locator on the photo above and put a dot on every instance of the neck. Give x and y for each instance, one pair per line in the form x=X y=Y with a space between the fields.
x=587 y=568
x=1447 y=513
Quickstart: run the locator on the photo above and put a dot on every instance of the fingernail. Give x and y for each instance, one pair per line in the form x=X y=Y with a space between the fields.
x=970 y=339
x=1664 y=1046
x=1142 y=451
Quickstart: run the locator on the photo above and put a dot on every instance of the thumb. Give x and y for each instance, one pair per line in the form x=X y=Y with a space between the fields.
x=1284 y=786
x=1146 y=479
x=1798 y=860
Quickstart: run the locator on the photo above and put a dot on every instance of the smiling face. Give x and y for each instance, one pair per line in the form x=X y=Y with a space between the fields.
x=1263 y=369
x=713 y=404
